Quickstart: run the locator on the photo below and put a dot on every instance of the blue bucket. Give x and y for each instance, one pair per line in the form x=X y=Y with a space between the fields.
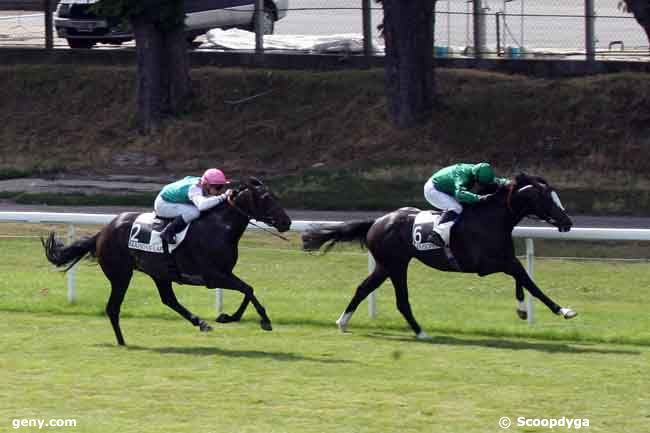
x=513 y=52
x=441 y=51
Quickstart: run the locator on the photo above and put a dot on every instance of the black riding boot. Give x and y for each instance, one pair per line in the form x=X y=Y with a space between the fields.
x=448 y=215
x=169 y=233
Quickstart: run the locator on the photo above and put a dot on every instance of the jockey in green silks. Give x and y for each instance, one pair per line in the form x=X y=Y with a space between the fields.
x=451 y=186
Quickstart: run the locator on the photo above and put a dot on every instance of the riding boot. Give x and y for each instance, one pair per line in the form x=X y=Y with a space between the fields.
x=169 y=232
x=447 y=216
x=444 y=227
x=436 y=239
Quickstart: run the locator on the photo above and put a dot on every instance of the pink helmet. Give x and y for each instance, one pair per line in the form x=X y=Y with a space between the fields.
x=214 y=176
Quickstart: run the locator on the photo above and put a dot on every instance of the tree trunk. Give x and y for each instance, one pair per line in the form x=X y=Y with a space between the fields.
x=641 y=11
x=176 y=72
x=408 y=34
x=148 y=46
x=163 y=83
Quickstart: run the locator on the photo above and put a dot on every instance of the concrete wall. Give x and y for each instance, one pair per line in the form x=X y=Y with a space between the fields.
x=26 y=5
x=532 y=67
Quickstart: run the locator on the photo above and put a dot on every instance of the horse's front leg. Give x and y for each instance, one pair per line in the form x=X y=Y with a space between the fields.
x=168 y=298
x=517 y=271
x=230 y=281
x=493 y=266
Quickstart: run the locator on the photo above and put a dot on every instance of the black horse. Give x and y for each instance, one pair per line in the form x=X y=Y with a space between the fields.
x=206 y=257
x=481 y=243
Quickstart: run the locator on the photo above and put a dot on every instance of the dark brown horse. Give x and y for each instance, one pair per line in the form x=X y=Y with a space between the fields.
x=481 y=242
x=206 y=257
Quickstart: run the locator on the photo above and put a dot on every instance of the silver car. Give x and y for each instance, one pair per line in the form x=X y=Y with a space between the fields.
x=75 y=21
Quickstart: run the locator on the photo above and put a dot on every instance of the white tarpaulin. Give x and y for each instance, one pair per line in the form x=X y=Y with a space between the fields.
x=236 y=39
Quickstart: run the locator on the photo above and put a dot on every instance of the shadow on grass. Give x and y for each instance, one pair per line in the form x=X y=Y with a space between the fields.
x=217 y=351
x=506 y=344
x=496 y=335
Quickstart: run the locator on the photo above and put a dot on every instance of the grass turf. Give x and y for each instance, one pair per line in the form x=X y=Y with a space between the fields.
x=302 y=378
x=60 y=360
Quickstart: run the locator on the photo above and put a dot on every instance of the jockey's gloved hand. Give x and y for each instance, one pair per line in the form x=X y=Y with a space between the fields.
x=485 y=197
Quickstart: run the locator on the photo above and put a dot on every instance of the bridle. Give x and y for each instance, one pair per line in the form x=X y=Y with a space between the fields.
x=234 y=205
x=539 y=187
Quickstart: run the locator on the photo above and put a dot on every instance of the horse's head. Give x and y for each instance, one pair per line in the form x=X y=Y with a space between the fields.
x=257 y=200
x=542 y=201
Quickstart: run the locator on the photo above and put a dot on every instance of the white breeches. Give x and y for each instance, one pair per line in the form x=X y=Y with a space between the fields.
x=168 y=209
x=439 y=199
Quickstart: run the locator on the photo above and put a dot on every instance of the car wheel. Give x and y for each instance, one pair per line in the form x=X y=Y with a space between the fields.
x=81 y=43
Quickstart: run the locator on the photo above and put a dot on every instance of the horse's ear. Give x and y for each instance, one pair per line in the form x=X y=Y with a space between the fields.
x=253 y=181
x=540 y=179
x=538 y=182
x=522 y=179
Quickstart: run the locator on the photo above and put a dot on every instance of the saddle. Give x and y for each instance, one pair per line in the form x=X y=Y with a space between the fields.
x=428 y=234
x=145 y=234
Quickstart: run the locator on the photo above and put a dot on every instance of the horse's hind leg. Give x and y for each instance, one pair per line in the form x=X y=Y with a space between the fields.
x=398 y=276
x=117 y=265
x=374 y=280
x=119 y=285
x=168 y=297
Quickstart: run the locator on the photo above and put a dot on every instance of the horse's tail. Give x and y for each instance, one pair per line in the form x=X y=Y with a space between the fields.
x=315 y=238
x=60 y=255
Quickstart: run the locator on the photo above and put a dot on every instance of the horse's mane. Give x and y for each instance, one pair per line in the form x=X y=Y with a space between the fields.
x=520 y=180
x=523 y=179
x=242 y=187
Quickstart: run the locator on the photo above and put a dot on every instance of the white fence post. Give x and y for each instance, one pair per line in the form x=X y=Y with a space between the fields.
x=218 y=293
x=372 y=300
x=530 y=263
x=71 y=274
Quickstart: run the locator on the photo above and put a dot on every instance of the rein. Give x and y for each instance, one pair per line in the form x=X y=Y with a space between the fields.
x=511 y=188
x=232 y=204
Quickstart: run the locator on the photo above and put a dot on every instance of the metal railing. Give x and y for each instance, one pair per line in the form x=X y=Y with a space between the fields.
x=528 y=233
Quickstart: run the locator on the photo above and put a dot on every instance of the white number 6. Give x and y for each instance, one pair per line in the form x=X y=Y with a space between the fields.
x=417 y=235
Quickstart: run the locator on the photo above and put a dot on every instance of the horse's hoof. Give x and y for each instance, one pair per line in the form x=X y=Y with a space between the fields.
x=568 y=313
x=225 y=318
x=266 y=326
x=523 y=314
x=342 y=322
x=204 y=326
x=423 y=336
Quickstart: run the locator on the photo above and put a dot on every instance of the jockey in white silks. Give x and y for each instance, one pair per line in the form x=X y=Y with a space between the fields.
x=184 y=200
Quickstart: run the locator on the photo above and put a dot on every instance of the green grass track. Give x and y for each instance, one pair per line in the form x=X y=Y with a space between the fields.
x=61 y=361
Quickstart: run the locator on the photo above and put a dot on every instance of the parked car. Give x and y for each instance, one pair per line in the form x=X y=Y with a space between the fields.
x=75 y=21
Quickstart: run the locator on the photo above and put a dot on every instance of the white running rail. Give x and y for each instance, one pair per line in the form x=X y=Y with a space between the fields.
x=528 y=233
